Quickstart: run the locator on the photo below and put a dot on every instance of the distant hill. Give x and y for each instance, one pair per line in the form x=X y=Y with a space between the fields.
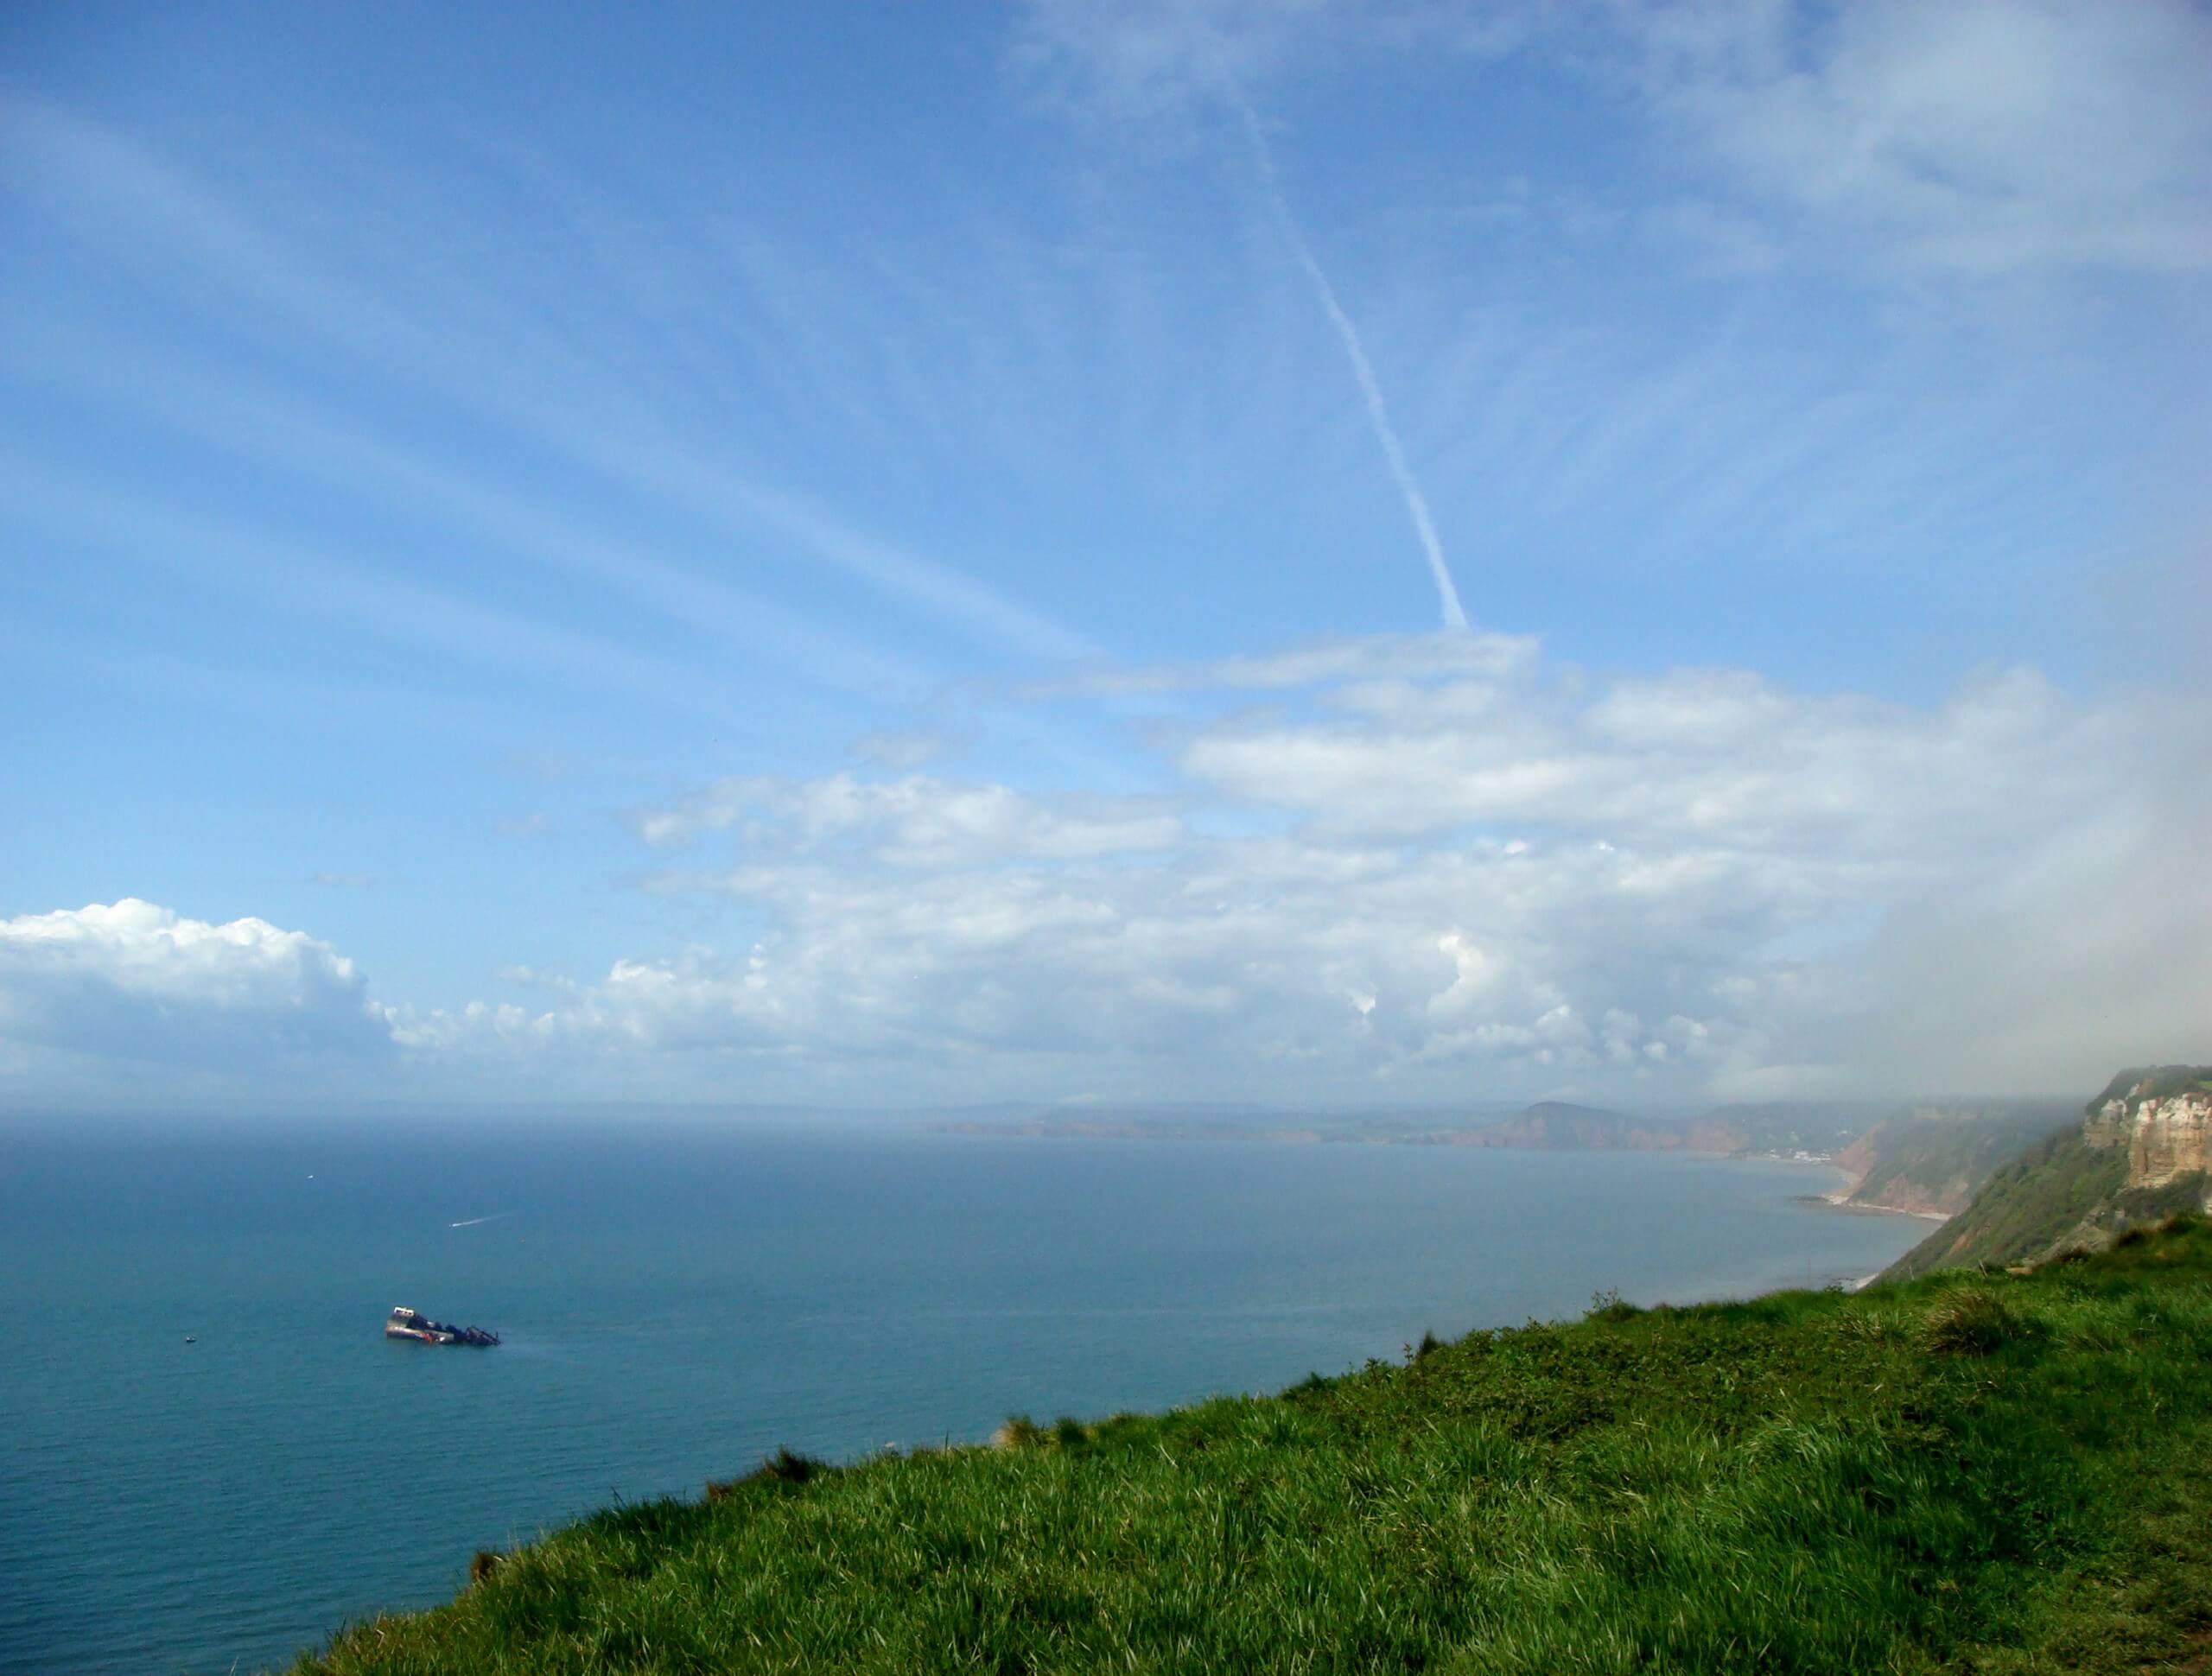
x=1554 y=1125
x=2141 y=1152
x=1813 y=1129
x=1927 y=1159
x=1818 y=1127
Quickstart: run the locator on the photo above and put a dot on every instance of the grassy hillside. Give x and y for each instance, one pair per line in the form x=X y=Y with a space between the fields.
x=1936 y=1159
x=2025 y=1206
x=1959 y=1473
x=2061 y=1189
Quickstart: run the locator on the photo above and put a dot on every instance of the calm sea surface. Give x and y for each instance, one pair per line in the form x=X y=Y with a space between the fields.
x=679 y=1300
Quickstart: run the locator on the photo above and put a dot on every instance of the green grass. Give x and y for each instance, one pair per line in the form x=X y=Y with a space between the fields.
x=2024 y=1208
x=1967 y=1472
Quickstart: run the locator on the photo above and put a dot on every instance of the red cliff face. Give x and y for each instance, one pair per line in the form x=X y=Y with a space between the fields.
x=1859 y=1157
x=1918 y=1186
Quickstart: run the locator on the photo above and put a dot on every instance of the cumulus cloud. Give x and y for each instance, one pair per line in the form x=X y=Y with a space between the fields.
x=134 y=981
x=1415 y=876
x=1721 y=759
x=1429 y=875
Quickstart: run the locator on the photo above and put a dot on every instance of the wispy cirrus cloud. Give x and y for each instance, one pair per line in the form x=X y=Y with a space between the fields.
x=1145 y=63
x=308 y=580
x=1317 y=664
x=916 y=821
x=1974 y=138
x=115 y=192
x=304 y=439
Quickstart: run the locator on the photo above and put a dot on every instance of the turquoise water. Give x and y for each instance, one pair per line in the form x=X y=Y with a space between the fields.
x=679 y=1300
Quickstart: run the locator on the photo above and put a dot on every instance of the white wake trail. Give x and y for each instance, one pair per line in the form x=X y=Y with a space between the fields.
x=1378 y=410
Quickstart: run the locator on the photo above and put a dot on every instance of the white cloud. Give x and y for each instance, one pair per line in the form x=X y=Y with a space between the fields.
x=1978 y=136
x=1458 y=884
x=1272 y=966
x=132 y=980
x=1713 y=759
x=1702 y=882
x=915 y=822
x=1395 y=657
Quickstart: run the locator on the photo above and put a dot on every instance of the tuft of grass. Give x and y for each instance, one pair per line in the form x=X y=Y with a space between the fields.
x=1975 y=1321
x=1871 y=1326
x=1956 y=1474
x=1610 y=1305
x=1019 y=1431
x=785 y=1466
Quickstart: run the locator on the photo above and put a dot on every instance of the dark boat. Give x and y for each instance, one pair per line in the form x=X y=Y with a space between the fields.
x=406 y=1323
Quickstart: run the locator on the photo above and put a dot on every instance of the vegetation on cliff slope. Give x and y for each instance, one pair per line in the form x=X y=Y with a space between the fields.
x=1964 y=1472
x=2064 y=1191
x=2023 y=1210
x=1936 y=1159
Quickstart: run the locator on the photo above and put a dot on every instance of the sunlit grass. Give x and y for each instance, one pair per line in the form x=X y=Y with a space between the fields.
x=1967 y=1472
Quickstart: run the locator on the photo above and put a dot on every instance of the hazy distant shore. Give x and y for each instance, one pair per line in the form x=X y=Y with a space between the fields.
x=1841 y=1200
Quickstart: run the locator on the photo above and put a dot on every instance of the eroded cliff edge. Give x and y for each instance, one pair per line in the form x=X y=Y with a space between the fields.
x=2162 y=1116
x=2142 y=1151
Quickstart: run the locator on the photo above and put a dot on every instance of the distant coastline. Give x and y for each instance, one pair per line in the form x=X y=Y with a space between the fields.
x=1841 y=1200
x=1923 y=1161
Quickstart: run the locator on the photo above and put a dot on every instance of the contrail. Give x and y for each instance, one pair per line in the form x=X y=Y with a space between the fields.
x=1378 y=411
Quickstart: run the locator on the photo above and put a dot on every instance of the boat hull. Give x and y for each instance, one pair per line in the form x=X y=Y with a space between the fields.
x=410 y=1324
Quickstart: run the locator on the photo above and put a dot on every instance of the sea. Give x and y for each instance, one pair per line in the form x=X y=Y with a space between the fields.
x=211 y=1458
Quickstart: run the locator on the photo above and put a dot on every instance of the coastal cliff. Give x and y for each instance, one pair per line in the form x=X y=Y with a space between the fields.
x=1931 y=1159
x=1926 y=1160
x=2162 y=1116
x=2142 y=1151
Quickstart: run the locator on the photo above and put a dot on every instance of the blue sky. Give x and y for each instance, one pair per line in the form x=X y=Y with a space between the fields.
x=870 y=554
